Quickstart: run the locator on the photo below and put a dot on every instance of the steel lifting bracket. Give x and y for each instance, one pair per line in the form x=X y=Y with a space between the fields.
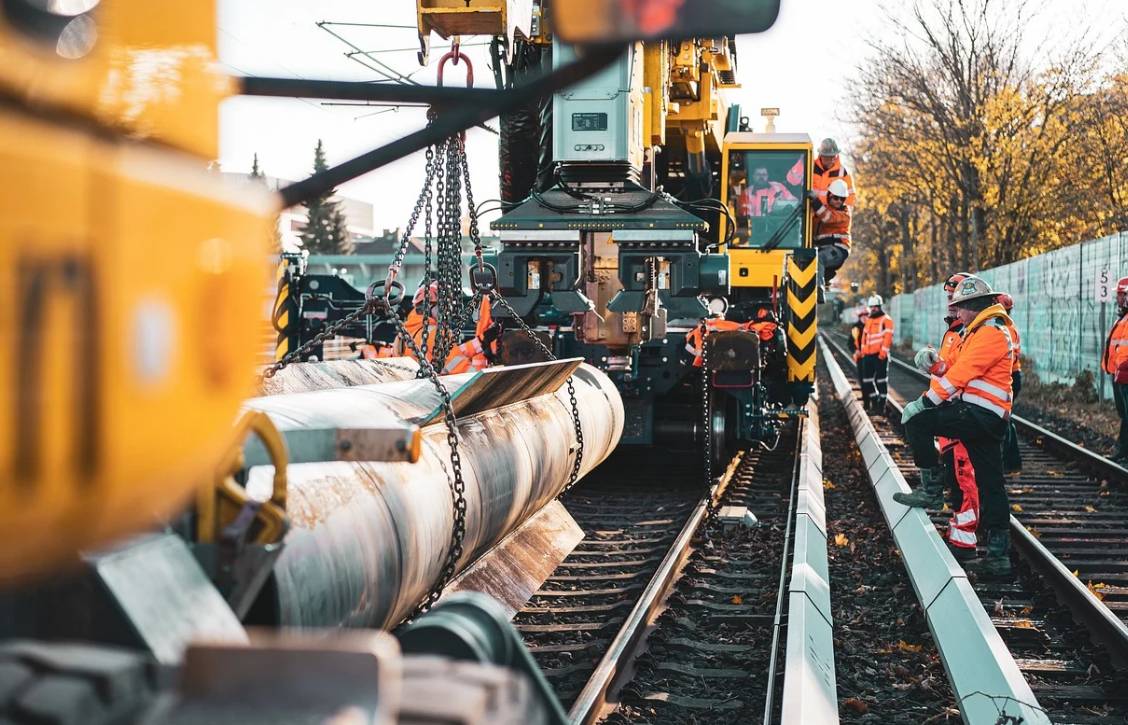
x=483 y=278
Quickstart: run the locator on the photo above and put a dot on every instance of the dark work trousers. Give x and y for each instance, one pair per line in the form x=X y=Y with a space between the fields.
x=982 y=433
x=873 y=374
x=1120 y=395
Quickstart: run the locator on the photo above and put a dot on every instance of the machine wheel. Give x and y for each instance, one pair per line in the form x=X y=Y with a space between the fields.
x=48 y=683
x=441 y=691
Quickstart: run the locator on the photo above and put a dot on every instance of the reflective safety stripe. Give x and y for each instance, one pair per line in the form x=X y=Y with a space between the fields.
x=931 y=395
x=690 y=349
x=961 y=538
x=946 y=385
x=989 y=388
x=963 y=518
x=882 y=380
x=984 y=403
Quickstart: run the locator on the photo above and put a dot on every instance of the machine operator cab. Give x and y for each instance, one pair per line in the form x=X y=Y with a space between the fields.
x=765 y=178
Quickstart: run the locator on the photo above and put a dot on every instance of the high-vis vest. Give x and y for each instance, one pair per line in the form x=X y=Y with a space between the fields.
x=831 y=225
x=760 y=202
x=1116 y=346
x=877 y=335
x=459 y=360
x=981 y=373
x=822 y=177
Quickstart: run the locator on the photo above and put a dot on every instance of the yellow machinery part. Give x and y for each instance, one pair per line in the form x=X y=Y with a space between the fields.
x=802 y=326
x=150 y=73
x=656 y=82
x=220 y=503
x=742 y=141
x=757 y=268
x=128 y=303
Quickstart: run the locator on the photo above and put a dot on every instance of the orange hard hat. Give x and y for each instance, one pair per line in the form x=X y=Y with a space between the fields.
x=953 y=281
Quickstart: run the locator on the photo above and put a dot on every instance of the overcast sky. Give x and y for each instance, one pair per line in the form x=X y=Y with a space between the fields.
x=801 y=66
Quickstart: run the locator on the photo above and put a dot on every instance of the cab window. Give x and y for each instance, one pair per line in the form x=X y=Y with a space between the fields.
x=765 y=195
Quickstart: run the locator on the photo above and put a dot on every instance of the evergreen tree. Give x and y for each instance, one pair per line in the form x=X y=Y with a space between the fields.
x=276 y=235
x=325 y=231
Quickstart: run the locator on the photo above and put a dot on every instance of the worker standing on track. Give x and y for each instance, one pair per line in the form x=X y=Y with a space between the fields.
x=873 y=368
x=958 y=471
x=971 y=401
x=832 y=228
x=1115 y=363
x=856 y=331
x=472 y=355
x=1012 y=454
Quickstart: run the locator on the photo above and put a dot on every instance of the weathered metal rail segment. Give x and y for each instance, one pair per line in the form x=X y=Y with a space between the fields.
x=1036 y=643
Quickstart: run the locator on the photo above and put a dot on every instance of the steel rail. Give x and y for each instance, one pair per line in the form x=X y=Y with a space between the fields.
x=590 y=702
x=1106 y=629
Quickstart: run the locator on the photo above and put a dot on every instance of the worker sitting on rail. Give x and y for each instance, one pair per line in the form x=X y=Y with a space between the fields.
x=828 y=168
x=832 y=228
x=873 y=367
x=423 y=327
x=1012 y=455
x=958 y=471
x=856 y=332
x=971 y=401
x=1115 y=363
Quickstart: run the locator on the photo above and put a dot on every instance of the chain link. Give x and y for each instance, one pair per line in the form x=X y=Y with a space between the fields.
x=707 y=421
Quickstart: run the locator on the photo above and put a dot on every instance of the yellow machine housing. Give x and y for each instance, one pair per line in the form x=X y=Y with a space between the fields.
x=129 y=297
x=787 y=273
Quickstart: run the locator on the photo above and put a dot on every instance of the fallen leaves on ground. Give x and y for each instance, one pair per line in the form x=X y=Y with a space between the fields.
x=1097 y=589
x=737 y=599
x=1016 y=508
x=1090 y=509
x=828 y=485
x=840 y=540
x=906 y=647
x=855 y=705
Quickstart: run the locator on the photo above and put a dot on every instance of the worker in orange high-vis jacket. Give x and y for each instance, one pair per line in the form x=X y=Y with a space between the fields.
x=873 y=367
x=1115 y=363
x=422 y=325
x=958 y=471
x=832 y=229
x=828 y=169
x=971 y=401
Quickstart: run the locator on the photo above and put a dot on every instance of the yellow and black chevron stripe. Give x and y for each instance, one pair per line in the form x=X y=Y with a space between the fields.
x=281 y=313
x=801 y=298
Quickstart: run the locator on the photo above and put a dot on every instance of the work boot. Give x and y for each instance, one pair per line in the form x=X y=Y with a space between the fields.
x=930 y=495
x=997 y=563
x=961 y=554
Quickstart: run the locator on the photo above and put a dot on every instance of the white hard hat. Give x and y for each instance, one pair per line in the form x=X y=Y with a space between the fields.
x=970 y=289
x=875 y=301
x=838 y=188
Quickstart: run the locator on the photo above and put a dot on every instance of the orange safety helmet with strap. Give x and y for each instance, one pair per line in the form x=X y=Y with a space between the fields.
x=1115 y=358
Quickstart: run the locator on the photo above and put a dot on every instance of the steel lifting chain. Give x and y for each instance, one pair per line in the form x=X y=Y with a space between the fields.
x=498 y=299
x=707 y=421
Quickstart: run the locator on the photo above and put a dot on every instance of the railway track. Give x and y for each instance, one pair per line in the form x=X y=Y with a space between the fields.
x=1060 y=543
x=645 y=608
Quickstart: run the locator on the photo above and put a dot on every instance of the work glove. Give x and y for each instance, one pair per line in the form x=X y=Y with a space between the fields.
x=926 y=358
x=857 y=357
x=490 y=335
x=813 y=195
x=913 y=409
